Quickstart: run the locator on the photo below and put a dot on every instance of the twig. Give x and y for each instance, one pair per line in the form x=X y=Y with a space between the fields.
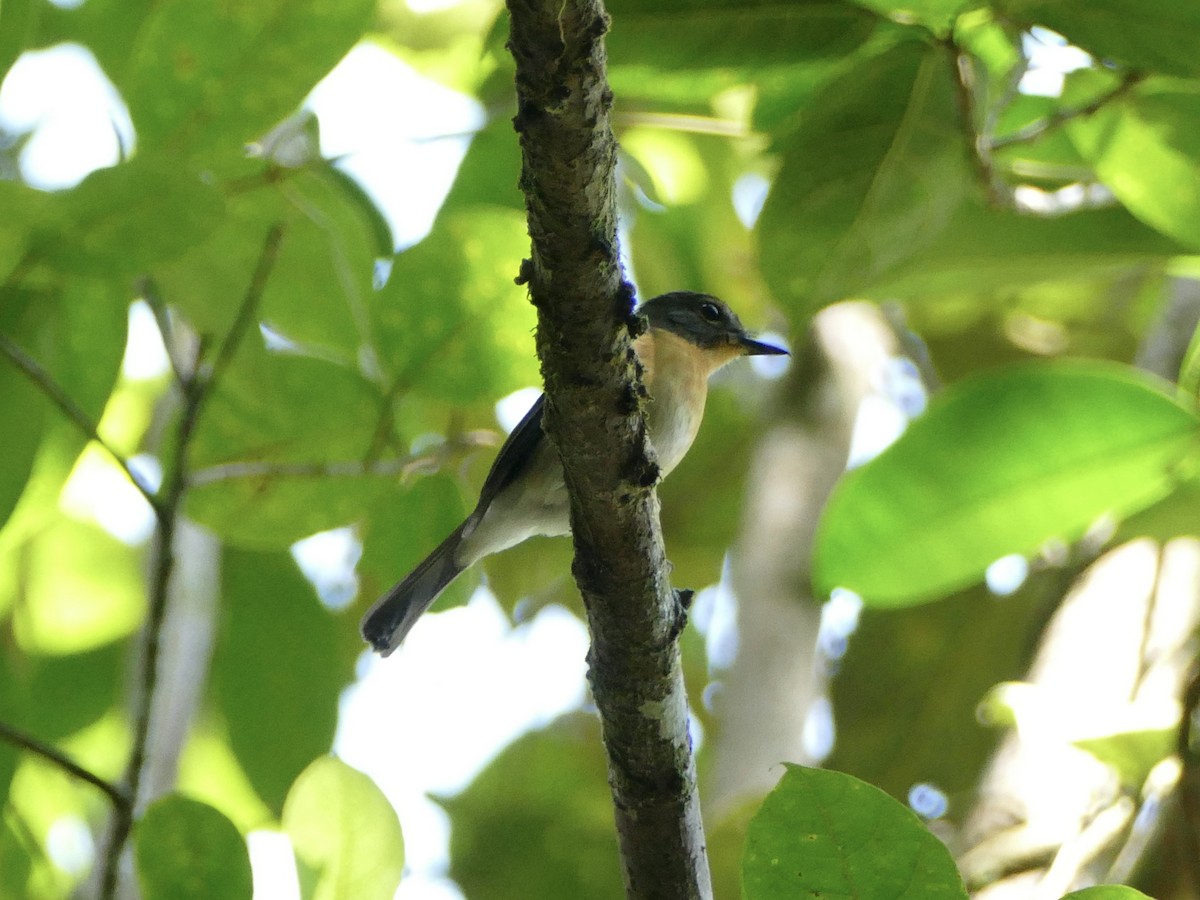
x=968 y=115
x=195 y=390
x=162 y=318
x=25 y=741
x=69 y=408
x=354 y=468
x=1035 y=130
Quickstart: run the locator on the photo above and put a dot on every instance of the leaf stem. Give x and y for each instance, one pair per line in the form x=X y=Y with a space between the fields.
x=1060 y=117
x=25 y=741
x=54 y=392
x=195 y=389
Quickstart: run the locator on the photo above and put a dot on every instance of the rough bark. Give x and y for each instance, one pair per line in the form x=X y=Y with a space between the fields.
x=594 y=418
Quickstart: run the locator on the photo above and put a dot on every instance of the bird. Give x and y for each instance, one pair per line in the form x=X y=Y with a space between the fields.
x=689 y=336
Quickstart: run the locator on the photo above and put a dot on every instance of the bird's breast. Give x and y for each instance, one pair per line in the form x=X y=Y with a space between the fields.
x=677 y=378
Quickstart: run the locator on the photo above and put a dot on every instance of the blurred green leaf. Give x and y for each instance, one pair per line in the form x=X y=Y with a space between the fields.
x=675 y=35
x=1000 y=464
x=25 y=212
x=872 y=175
x=24 y=406
x=1133 y=753
x=916 y=675
x=275 y=419
x=545 y=798
x=1146 y=150
x=82 y=589
x=15 y=861
x=827 y=834
x=451 y=323
x=121 y=220
x=1107 y=892
x=205 y=79
x=276 y=672
x=56 y=696
x=186 y=849
x=344 y=832
x=1131 y=32
x=938 y=15
x=985 y=249
x=321 y=283
x=405 y=524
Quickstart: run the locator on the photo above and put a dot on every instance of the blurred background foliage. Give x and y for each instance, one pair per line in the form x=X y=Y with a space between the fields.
x=916 y=193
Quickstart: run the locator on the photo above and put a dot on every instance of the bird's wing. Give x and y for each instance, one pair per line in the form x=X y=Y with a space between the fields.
x=516 y=454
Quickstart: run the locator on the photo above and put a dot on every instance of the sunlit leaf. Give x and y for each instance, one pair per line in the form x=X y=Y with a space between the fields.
x=826 y=834
x=872 y=175
x=274 y=421
x=1000 y=464
x=937 y=14
x=120 y=220
x=345 y=833
x=1107 y=892
x=321 y=283
x=83 y=589
x=203 y=78
x=1146 y=150
x=451 y=323
x=1137 y=34
x=276 y=671
x=187 y=850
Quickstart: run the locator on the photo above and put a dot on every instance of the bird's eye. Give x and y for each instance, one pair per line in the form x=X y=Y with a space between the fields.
x=710 y=312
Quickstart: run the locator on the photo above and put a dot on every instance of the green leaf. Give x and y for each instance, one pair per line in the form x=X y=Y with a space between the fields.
x=670 y=35
x=82 y=589
x=1132 y=753
x=1146 y=150
x=872 y=175
x=76 y=335
x=321 y=282
x=826 y=834
x=984 y=249
x=273 y=421
x=451 y=323
x=1000 y=464
x=1132 y=737
x=404 y=524
x=187 y=849
x=1189 y=369
x=936 y=14
x=121 y=220
x=544 y=798
x=1131 y=32
x=277 y=651
x=1107 y=892
x=205 y=79
x=344 y=832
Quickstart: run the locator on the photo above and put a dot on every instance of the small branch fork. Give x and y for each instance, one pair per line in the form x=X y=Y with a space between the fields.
x=195 y=381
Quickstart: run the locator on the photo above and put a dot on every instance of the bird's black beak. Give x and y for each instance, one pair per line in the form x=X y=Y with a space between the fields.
x=758 y=348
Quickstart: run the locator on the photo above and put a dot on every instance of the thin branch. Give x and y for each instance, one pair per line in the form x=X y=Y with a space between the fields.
x=118 y=797
x=162 y=318
x=62 y=400
x=196 y=391
x=248 y=310
x=355 y=468
x=1060 y=117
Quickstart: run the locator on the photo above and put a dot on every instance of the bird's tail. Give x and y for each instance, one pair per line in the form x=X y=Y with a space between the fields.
x=389 y=620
